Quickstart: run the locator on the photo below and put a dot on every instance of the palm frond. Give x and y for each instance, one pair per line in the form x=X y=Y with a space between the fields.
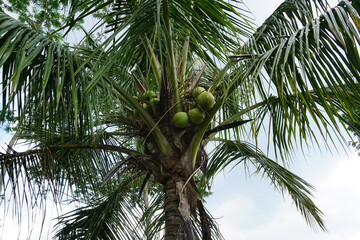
x=292 y=122
x=40 y=76
x=153 y=218
x=285 y=21
x=205 y=225
x=114 y=217
x=211 y=28
x=80 y=10
x=310 y=71
x=76 y=167
x=84 y=107
x=237 y=152
x=66 y=101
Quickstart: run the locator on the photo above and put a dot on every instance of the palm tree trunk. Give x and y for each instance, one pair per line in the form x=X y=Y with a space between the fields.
x=174 y=222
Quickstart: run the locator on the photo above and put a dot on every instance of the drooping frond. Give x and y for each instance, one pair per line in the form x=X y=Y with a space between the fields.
x=50 y=86
x=308 y=64
x=112 y=218
x=237 y=152
x=292 y=122
x=98 y=138
x=78 y=167
x=43 y=80
x=287 y=19
x=205 y=226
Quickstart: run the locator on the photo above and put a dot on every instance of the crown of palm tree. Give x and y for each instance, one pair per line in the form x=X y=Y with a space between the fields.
x=100 y=114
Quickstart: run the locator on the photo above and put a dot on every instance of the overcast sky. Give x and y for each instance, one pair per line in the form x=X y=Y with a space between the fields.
x=251 y=209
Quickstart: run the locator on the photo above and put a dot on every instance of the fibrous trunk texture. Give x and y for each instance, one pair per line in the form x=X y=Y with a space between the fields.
x=174 y=222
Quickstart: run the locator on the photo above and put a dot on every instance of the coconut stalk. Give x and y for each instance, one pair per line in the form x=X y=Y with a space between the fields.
x=171 y=57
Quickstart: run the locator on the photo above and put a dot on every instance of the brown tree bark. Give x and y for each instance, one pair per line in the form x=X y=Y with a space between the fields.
x=174 y=222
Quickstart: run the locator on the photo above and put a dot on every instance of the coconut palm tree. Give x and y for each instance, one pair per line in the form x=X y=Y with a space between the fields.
x=112 y=124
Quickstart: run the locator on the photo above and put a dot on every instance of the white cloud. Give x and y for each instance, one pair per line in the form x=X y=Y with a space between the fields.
x=337 y=195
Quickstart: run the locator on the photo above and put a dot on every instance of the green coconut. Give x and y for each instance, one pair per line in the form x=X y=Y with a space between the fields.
x=145 y=106
x=154 y=101
x=180 y=120
x=150 y=94
x=206 y=100
x=196 y=116
x=196 y=91
x=136 y=98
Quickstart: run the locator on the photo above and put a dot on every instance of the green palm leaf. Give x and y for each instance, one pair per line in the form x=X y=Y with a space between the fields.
x=86 y=111
x=76 y=166
x=237 y=152
x=115 y=217
x=308 y=73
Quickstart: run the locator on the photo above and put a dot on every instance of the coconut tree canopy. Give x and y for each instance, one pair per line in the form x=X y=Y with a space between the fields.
x=99 y=113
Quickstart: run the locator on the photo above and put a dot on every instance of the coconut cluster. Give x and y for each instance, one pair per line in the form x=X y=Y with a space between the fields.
x=149 y=101
x=204 y=102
